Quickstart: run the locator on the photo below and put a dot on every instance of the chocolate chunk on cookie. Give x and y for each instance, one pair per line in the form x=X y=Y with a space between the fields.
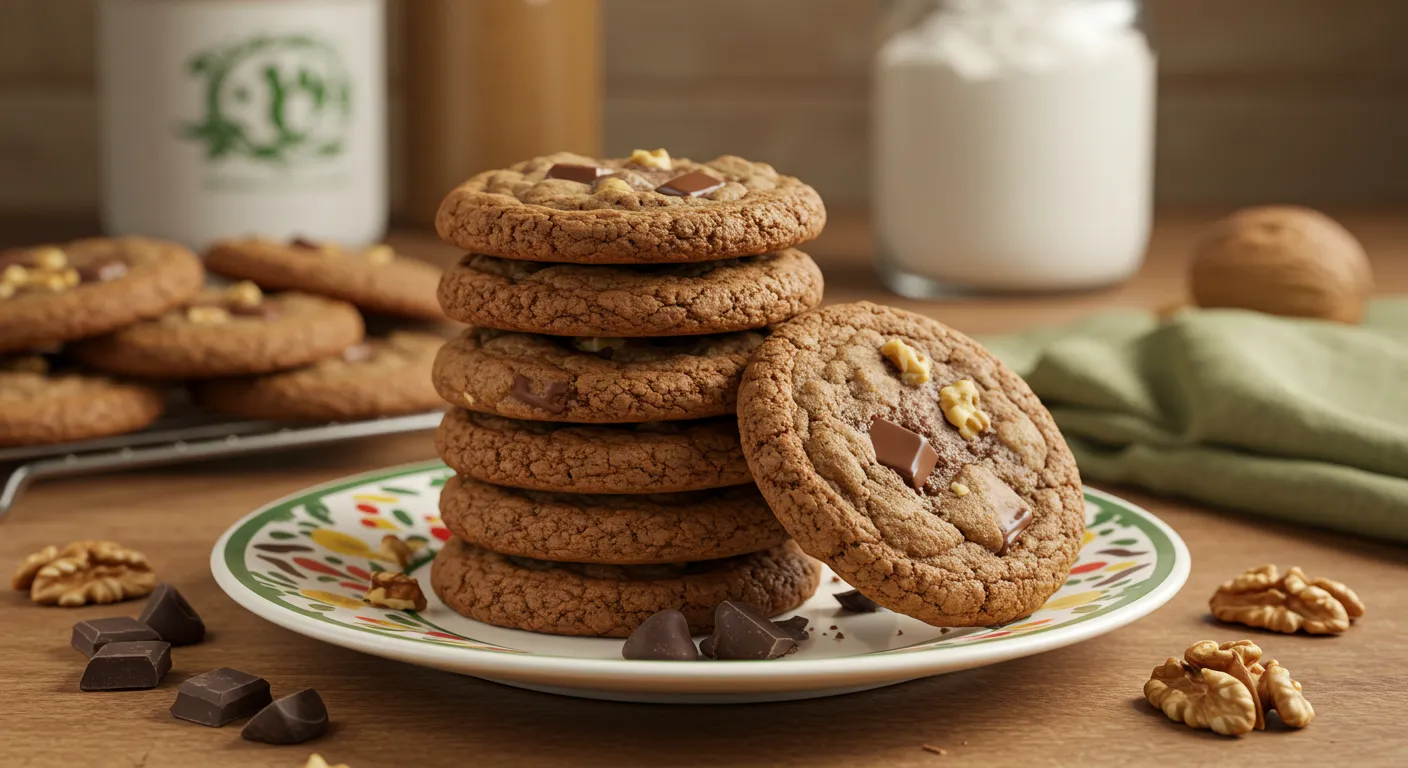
x=375 y=279
x=382 y=376
x=980 y=533
x=648 y=208
x=593 y=380
x=229 y=332
x=652 y=300
x=656 y=457
x=619 y=529
x=57 y=293
x=612 y=600
x=39 y=407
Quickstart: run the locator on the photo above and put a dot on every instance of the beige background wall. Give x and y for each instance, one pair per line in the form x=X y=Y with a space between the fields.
x=1288 y=100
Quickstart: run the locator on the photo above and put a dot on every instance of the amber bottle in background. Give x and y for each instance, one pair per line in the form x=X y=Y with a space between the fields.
x=491 y=82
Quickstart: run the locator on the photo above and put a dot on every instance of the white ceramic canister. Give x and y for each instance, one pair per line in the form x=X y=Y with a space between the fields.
x=244 y=117
x=1013 y=146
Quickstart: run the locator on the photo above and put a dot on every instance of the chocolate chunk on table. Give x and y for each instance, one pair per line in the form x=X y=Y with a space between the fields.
x=855 y=602
x=127 y=666
x=741 y=632
x=171 y=617
x=91 y=635
x=221 y=696
x=662 y=637
x=291 y=720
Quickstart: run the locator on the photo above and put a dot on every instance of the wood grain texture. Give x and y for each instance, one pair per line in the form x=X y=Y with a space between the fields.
x=1076 y=706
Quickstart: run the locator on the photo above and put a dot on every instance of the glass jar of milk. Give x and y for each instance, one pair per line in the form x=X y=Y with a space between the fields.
x=1012 y=145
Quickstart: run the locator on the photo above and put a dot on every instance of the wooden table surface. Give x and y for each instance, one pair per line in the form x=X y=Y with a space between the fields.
x=1078 y=706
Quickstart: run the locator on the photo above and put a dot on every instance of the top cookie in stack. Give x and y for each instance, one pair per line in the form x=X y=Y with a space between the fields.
x=614 y=304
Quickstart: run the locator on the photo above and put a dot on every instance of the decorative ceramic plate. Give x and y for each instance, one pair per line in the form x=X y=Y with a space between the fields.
x=303 y=563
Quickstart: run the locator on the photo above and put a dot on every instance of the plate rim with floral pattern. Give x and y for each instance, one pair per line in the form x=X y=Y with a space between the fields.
x=1100 y=596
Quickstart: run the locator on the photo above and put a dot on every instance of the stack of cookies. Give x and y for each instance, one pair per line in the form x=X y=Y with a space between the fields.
x=94 y=333
x=613 y=306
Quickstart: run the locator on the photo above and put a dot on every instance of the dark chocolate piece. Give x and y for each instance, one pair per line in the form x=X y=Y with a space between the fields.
x=89 y=636
x=796 y=627
x=741 y=632
x=692 y=184
x=102 y=271
x=855 y=602
x=662 y=637
x=553 y=399
x=573 y=172
x=904 y=451
x=171 y=617
x=1013 y=525
x=127 y=666
x=291 y=720
x=220 y=696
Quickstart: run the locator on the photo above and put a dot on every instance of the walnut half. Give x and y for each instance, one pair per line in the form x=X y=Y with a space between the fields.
x=85 y=572
x=1262 y=597
x=1225 y=687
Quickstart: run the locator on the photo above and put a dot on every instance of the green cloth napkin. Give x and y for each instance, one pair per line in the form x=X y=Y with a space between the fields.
x=1299 y=420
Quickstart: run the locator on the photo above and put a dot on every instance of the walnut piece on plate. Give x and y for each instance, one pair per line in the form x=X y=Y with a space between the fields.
x=396 y=591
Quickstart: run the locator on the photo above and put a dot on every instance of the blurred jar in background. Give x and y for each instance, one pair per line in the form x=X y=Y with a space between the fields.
x=244 y=117
x=493 y=82
x=1012 y=145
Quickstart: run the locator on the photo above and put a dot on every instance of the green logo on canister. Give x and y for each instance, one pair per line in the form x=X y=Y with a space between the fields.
x=279 y=100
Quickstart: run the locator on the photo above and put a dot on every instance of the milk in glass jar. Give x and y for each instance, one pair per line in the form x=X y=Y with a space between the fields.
x=1012 y=145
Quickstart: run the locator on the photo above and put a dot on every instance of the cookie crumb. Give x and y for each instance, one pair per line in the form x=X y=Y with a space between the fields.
x=933 y=750
x=899 y=633
x=833 y=626
x=835 y=579
x=840 y=635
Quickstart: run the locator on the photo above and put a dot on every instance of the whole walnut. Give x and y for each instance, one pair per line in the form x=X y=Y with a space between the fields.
x=1282 y=260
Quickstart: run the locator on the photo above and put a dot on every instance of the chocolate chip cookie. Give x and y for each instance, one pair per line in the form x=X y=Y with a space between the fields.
x=236 y=331
x=53 y=294
x=612 y=600
x=651 y=300
x=656 y=457
x=922 y=469
x=593 y=380
x=620 y=529
x=382 y=376
x=39 y=406
x=375 y=279
x=648 y=208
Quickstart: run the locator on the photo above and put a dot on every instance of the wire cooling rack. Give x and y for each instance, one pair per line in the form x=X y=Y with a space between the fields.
x=187 y=435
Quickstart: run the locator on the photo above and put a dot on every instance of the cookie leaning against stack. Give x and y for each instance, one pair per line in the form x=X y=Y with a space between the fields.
x=614 y=305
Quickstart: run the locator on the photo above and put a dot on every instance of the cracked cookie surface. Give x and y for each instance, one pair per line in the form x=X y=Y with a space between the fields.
x=938 y=553
x=552 y=378
x=119 y=282
x=383 y=376
x=520 y=213
x=653 y=300
x=612 y=600
x=615 y=529
x=287 y=330
x=374 y=279
x=38 y=408
x=657 y=457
